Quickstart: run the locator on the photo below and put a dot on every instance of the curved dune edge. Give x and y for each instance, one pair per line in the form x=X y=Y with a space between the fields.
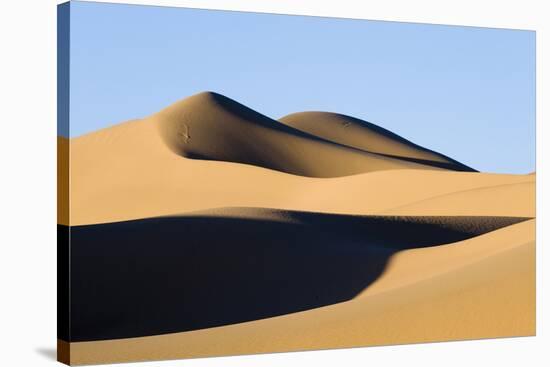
x=126 y=172
x=457 y=302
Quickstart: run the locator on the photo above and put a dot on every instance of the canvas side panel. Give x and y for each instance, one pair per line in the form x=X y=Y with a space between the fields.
x=63 y=162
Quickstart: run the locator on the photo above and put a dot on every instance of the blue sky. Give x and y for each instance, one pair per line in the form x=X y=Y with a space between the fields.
x=466 y=92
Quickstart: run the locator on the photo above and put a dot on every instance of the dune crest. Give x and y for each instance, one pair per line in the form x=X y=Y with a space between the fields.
x=211 y=126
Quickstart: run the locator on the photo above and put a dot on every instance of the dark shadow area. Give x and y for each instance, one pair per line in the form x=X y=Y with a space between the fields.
x=49 y=353
x=172 y=274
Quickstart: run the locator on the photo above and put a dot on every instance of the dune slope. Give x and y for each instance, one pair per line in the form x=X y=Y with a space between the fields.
x=236 y=264
x=368 y=137
x=516 y=198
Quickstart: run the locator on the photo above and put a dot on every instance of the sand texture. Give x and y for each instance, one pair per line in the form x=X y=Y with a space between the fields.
x=210 y=229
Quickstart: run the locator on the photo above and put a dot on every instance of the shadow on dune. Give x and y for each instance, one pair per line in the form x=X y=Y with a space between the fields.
x=173 y=274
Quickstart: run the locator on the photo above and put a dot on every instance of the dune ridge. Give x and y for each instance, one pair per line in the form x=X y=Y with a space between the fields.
x=368 y=137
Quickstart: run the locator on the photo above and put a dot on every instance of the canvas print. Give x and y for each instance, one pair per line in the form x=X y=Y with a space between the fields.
x=235 y=183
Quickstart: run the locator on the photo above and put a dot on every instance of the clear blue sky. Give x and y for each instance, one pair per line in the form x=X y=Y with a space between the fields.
x=466 y=92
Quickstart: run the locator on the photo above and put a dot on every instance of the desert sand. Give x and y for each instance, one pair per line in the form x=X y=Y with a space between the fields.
x=315 y=231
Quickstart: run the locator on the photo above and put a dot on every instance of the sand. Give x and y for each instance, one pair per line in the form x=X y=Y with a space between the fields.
x=128 y=172
x=233 y=265
x=479 y=288
x=237 y=182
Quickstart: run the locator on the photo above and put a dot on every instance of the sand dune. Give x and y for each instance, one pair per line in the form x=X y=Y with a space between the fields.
x=127 y=172
x=478 y=288
x=214 y=127
x=368 y=137
x=228 y=233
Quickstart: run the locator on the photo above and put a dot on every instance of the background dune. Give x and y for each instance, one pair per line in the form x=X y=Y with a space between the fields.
x=211 y=126
x=368 y=137
x=128 y=172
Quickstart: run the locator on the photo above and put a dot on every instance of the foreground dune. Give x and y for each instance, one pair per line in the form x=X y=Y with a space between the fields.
x=477 y=288
x=236 y=264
